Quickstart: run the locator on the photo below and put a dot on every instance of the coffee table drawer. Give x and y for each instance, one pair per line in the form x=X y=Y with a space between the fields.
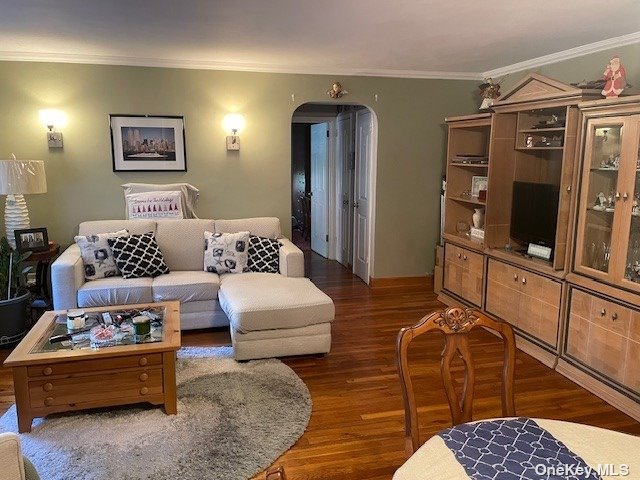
x=91 y=388
x=95 y=365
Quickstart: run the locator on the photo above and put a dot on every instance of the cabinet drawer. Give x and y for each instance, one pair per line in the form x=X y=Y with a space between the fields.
x=611 y=316
x=602 y=334
x=463 y=273
x=87 y=366
x=525 y=299
x=92 y=388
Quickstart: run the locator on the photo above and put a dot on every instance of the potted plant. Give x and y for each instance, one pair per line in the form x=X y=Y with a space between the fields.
x=14 y=295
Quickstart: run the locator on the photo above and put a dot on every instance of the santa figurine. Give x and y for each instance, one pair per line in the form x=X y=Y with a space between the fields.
x=615 y=77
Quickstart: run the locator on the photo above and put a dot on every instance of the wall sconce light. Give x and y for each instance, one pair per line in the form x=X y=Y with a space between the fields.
x=52 y=118
x=233 y=122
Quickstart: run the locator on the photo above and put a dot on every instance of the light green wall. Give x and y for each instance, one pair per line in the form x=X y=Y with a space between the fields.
x=252 y=183
x=588 y=67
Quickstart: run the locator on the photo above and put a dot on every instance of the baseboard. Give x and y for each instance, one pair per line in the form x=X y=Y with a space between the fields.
x=608 y=394
x=389 y=282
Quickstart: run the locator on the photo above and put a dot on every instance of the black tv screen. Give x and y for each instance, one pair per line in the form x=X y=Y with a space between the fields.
x=534 y=212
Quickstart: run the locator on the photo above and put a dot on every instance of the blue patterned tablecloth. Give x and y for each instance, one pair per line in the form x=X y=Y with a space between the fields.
x=514 y=449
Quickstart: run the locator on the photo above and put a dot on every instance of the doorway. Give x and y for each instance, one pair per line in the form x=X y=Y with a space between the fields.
x=332 y=168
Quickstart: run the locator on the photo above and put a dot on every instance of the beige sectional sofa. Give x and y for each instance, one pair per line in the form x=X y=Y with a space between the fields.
x=269 y=314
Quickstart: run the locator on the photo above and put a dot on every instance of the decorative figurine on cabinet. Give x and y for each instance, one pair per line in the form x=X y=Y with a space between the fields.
x=615 y=77
x=489 y=91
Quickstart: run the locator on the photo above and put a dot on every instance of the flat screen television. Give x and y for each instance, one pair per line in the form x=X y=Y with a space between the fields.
x=534 y=212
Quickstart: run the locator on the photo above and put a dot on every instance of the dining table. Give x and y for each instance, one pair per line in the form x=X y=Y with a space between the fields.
x=524 y=448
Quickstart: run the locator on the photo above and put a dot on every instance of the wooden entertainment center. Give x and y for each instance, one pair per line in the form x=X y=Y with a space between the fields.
x=552 y=152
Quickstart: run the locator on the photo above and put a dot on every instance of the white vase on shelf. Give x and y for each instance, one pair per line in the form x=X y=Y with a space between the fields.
x=478 y=218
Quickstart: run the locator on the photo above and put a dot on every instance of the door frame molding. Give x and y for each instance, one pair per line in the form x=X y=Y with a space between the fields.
x=373 y=173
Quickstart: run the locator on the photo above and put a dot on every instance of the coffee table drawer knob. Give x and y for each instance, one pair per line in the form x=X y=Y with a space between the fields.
x=47 y=387
x=144 y=390
x=144 y=377
x=47 y=371
x=48 y=401
x=143 y=361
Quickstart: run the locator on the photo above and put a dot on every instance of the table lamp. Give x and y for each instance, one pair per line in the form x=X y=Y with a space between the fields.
x=19 y=177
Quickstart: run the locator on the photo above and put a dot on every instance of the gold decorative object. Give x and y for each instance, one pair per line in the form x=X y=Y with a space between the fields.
x=489 y=91
x=337 y=91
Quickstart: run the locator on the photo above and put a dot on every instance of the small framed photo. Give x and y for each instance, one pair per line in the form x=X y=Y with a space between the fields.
x=145 y=143
x=32 y=240
x=478 y=183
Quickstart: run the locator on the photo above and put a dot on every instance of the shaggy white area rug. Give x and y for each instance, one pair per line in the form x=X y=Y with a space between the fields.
x=234 y=419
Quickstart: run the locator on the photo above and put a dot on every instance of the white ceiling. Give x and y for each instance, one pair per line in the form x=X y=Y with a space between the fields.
x=455 y=38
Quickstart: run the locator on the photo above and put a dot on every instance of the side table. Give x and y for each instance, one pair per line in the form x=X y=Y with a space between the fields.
x=42 y=289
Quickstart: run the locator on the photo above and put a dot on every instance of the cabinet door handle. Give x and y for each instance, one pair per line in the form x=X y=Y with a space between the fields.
x=603 y=312
x=568 y=188
x=617 y=195
x=524 y=281
x=464 y=257
x=515 y=277
x=614 y=316
x=459 y=255
x=625 y=196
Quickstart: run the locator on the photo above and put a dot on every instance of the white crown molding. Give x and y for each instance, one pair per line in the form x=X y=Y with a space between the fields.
x=242 y=67
x=622 y=40
x=594 y=47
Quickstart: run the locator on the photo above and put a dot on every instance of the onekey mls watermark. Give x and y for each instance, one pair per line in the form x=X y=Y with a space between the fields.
x=565 y=470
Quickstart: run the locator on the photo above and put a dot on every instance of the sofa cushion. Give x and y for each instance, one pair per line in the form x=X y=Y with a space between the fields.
x=97 y=256
x=182 y=242
x=226 y=252
x=263 y=301
x=115 y=291
x=262 y=226
x=135 y=227
x=189 y=193
x=264 y=255
x=186 y=286
x=138 y=256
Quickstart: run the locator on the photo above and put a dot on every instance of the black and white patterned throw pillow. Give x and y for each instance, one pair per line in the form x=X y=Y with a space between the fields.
x=226 y=252
x=97 y=256
x=138 y=256
x=264 y=254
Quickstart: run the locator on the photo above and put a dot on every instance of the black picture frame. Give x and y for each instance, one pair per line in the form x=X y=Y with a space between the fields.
x=137 y=153
x=32 y=240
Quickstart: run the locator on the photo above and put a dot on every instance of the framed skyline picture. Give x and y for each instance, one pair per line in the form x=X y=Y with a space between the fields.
x=145 y=143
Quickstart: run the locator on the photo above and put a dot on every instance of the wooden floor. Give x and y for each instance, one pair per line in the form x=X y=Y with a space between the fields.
x=356 y=429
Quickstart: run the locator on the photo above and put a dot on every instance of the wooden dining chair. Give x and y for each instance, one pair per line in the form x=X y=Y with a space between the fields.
x=455 y=323
x=276 y=473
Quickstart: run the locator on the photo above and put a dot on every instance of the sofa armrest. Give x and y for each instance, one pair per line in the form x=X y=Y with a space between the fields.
x=67 y=276
x=11 y=457
x=291 y=259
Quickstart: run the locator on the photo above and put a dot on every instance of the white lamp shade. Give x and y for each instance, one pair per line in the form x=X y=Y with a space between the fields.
x=234 y=122
x=22 y=176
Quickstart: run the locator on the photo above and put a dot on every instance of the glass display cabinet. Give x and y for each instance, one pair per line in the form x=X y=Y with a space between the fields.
x=608 y=234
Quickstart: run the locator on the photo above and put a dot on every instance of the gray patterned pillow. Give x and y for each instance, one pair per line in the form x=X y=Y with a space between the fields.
x=226 y=252
x=97 y=255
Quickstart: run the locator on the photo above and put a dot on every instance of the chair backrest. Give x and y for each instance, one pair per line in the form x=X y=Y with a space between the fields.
x=455 y=323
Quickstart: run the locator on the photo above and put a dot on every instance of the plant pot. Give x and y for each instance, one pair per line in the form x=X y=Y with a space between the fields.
x=13 y=318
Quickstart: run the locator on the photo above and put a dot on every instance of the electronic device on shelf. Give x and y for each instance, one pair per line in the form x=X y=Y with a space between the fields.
x=534 y=214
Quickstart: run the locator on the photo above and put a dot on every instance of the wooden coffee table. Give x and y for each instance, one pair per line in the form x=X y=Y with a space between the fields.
x=66 y=380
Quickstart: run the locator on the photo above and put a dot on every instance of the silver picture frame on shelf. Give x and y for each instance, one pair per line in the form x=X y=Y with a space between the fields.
x=145 y=143
x=478 y=183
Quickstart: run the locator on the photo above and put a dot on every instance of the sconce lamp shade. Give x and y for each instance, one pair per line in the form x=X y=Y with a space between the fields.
x=51 y=118
x=22 y=176
x=233 y=122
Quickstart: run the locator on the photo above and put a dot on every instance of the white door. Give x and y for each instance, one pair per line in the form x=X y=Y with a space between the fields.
x=344 y=181
x=319 y=188
x=361 y=207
